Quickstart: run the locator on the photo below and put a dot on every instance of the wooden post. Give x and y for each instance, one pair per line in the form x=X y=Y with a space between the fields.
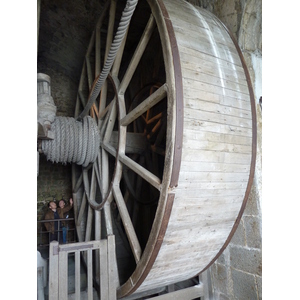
x=53 y=271
x=111 y=258
x=205 y=278
x=103 y=270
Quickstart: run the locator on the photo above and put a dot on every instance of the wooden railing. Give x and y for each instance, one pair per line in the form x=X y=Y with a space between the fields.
x=58 y=268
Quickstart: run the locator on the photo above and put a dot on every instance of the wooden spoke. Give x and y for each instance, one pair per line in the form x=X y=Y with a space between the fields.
x=133 y=240
x=145 y=105
x=144 y=173
x=137 y=54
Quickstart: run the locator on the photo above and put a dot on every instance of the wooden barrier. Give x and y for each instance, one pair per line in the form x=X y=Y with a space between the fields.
x=58 y=268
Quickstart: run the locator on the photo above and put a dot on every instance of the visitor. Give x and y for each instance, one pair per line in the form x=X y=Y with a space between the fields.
x=63 y=211
x=52 y=227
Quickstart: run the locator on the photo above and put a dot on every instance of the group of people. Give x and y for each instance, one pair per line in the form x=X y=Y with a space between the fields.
x=57 y=229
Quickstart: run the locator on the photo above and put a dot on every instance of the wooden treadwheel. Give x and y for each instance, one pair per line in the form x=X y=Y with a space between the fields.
x=167 y=168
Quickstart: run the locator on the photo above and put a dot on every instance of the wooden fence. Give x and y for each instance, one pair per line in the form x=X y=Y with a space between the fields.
x=58 y=268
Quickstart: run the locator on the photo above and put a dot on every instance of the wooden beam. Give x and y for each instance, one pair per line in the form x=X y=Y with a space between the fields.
x=186 y=294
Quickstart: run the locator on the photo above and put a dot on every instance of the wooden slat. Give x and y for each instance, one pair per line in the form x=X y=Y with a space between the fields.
x=103 y=271
x=141 y=171
x=81 y=210
x=217 y=80
x=90 y=274
x=186 y=294
x=192 y=124
x=137 y=54
x=131 y=234
x=208 y=61
x=217 y=137
x=63 y=276
x=213 y=68
x=111 y=258
x=219 y=90
x=223 y=147
x=77 y=275
x=135 y=167
x=203 y=30
x=198 y=104
x=210 y=48
x=88 y=228
x=53 y=271
x=153 y=99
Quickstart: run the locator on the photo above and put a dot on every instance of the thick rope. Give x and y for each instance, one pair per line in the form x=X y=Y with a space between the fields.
x=74 y=141
x=121 y=31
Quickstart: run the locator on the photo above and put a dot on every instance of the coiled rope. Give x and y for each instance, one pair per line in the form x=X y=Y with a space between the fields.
x=122 y=28
x=74 y=141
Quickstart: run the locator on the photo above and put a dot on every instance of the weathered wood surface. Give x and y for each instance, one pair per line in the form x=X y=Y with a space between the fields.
x=216 y=150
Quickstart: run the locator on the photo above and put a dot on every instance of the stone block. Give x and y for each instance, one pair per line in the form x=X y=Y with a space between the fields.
x=239 y=237
x=246 y=259
x=251 y=208
x=253 y=231
x=259 y=286
x=219 y=278
x=244 y=285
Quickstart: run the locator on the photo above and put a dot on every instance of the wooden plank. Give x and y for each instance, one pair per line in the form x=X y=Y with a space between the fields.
x=223 y=147
x=53 y=271
x=63 y=276
x=90 y=274
x=216 y=79
x=118 y=59
x=206 y=126
x=187 y=294
x=111 y=257
x=198 y=176
x=213 y=185
x=213 y=68
x=188 y=192
x=79 y=246
x=88 y=229
x=217 y=137
x=215 y=156
x=210 y=48
x=131 y=234
x=141 y=171
x=77 y=275
x=81 y=210
x=207 y=61
x=205 y=278
x=153 y=99
x=198 y=104
x=135 y=142
x=143 y=42
x=103 y=270
x=203 y=30
x=224 y=91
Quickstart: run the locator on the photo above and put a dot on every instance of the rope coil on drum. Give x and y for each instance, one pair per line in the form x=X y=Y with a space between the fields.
x=74 y=142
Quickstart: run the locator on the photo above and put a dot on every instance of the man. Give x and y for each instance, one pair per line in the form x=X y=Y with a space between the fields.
x=63 y=210
x=52 y=227
x=55 y=213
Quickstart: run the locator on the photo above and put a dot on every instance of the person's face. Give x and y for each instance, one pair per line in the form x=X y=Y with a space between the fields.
x=61 y=204
x=52 y=205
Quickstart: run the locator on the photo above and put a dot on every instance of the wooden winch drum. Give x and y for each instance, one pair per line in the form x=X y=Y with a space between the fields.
x=196 y=80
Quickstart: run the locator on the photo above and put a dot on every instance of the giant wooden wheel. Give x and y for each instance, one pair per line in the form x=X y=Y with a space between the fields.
x=178 y=142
